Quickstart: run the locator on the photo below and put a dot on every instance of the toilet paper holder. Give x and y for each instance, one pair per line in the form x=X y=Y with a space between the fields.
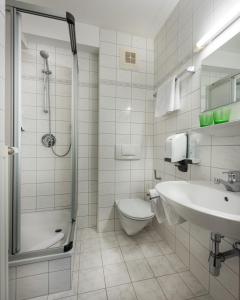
x=155 y=175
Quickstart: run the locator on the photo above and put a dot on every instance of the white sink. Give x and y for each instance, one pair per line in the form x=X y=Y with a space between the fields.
x=205 y=205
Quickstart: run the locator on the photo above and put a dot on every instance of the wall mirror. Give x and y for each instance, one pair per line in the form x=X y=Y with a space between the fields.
x=220 y=76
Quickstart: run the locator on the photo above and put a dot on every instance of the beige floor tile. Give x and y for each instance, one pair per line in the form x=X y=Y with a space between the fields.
x=165 y=247
x=139 y=270
x=207 y=297
x=124 y=240
x=112 y=256
x=96 y=295
x=160 y=266
x=176 y=263
x=121 y=292
x=174 y=287
x=193 y=284
x=150 y=249
x=116 y=274
x=75 y=262
x=144 y=237
x=155 y=236
x=148 y=290
x=108 y=242
x=90 y=245
x=107 y=234
x=132 y=252
x=91 y=280
x=87 y=233
x=61 y=298
x=90 y=260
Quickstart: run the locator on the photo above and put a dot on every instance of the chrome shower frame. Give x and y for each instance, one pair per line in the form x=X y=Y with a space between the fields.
x=46 y=80
x=15 y=8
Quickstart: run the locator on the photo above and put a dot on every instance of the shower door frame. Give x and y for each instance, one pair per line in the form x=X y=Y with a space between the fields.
x=16 y=7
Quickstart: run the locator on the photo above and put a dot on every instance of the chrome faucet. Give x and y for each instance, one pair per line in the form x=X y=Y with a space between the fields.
x=233 y=182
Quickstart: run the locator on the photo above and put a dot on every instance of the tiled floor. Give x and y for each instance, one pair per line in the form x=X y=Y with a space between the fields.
x=114 y=266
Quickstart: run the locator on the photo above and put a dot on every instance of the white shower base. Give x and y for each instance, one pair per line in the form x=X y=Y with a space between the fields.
x=36 y=276
x=38 y=229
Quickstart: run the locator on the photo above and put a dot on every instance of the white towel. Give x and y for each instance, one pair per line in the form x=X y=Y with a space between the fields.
x=168 y=97
x=172 y=217
x=156 y=206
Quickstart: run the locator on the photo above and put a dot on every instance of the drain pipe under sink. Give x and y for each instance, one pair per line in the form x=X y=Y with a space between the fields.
x=216 y=258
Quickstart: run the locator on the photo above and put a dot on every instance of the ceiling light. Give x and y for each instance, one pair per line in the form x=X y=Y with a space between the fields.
x=226 y=20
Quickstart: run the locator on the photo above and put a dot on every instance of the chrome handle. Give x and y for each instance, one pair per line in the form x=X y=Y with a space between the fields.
x=233 y=176
x=232 y=172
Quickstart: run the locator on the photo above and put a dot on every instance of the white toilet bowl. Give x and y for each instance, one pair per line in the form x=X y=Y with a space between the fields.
x=134 y=214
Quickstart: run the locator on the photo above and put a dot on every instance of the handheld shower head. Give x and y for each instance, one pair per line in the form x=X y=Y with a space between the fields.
x=44 y=54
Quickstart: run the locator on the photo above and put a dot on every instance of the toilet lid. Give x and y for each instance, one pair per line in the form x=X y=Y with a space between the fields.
x=135 y=208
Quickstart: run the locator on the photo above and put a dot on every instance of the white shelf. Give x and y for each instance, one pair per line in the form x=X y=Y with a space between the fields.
x=225 y=129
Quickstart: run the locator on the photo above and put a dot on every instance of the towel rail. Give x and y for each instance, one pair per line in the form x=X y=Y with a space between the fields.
x=190 y=69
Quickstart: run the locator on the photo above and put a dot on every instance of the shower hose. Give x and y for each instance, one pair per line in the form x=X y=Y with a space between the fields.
x=49 y=122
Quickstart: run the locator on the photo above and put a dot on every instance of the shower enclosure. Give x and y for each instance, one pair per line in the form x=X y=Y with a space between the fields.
x=42 y=92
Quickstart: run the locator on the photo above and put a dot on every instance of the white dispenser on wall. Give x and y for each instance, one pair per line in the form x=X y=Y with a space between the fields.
x=176 y=148
x=181 y=149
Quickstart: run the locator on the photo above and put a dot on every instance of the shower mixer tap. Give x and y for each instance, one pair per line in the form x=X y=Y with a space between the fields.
x=49 y=140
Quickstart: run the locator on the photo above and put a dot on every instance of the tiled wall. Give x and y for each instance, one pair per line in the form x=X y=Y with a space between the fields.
x=173 y=51
x=2 y=69
x=87 y=139
x=125 y=117
x=40 y=278
x=46 y=179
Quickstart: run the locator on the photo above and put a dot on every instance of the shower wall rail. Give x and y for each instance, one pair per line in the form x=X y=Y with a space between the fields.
x=14 y=8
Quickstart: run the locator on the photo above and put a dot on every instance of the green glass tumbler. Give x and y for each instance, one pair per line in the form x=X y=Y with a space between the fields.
x=206 y=119
x=221 y=115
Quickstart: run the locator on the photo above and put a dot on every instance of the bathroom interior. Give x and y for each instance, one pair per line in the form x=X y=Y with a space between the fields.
x=119 y=150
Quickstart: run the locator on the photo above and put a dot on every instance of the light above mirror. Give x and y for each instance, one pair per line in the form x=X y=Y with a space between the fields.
x=223 y=23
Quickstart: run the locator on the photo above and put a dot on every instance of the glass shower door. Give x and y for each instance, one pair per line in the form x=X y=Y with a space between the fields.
x=43 y=117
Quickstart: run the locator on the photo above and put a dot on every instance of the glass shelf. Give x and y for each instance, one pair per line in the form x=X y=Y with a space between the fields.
x=224 y=129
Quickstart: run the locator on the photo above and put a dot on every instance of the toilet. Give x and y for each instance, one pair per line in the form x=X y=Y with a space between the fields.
x=134 y=214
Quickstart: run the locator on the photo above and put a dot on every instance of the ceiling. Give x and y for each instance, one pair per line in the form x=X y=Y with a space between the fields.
x=139 y=17
x=233 y=45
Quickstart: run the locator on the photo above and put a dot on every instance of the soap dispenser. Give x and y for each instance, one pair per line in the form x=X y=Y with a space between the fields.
x=181 y=149
x=176 y=148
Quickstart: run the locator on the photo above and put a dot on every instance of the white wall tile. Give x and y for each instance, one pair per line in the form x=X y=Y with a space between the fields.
x=30 y=287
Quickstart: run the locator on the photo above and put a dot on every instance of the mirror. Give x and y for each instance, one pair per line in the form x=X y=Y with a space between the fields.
x=220 y=76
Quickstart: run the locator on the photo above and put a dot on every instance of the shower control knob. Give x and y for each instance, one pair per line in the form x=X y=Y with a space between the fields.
x=48 y=140
x=12 y=150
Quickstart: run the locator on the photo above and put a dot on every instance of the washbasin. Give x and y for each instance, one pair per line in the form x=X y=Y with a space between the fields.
x=205 y=205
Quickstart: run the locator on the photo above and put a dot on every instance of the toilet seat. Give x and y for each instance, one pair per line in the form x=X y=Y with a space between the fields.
x=136 y=209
